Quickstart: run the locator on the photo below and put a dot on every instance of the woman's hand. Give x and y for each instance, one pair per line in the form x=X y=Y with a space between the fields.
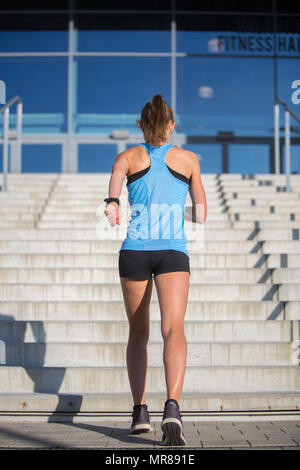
x=195 y=214
x=113 y=213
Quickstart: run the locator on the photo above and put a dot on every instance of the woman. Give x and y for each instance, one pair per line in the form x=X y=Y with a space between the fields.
x=159 y=175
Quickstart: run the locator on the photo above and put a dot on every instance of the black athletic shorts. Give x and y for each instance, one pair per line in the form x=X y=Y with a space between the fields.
x=141 y=264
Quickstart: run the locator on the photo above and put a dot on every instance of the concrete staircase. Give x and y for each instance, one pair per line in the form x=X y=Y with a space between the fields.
x=62 y=319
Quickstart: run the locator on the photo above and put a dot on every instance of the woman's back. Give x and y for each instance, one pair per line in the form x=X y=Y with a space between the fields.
x=157 y=193
x=177 y=159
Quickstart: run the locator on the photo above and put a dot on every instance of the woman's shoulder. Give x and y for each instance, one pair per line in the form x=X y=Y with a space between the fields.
x=189 y=156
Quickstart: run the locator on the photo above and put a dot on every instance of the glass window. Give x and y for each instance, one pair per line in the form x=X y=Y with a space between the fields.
x=294 y=159
x=225 y=94
x=123 y=33
x=33 y=33
x=41 y=158
x=41 y=82
x=248 y=159
x=93 y=158
x=111 y=92
x=209 y=156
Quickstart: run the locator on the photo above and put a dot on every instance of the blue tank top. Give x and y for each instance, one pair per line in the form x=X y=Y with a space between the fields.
x=157 y=198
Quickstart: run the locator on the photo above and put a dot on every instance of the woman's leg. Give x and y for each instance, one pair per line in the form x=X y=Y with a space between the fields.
x=137 y=297
x=172 y=290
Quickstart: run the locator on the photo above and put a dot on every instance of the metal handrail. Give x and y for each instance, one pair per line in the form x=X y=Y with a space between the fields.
x=287 y=113
x=5 y=110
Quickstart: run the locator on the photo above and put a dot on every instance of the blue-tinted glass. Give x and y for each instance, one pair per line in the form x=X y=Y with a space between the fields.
x=33 y=41
x=124 y=41
x=41 y=158
x=123 y=33
x=96 y=158
x=42 y=85
x=248 y=159
x=111 y=92
x=209 y=156
x=294 y=159
x=225 y=94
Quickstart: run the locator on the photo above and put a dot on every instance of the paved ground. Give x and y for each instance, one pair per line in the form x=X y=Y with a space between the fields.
x=107 y=435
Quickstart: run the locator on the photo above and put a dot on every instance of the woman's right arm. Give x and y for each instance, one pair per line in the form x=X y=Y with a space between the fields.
x=197 y=193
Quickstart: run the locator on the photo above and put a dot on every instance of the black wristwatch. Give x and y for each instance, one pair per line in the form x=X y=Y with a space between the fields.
x=112 y=199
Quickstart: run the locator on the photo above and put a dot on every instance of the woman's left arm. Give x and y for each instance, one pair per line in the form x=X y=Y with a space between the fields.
x=119 y=171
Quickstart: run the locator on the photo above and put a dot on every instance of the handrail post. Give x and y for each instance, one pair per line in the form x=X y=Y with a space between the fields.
x=5 y=146
x=287 y=149
x=276 y=138
x=19 y=134
x=2 y=352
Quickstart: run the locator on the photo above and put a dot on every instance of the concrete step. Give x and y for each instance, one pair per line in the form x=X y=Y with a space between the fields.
x=20 y=224
x=253 y=216
x=112 y=246
x=51 y=211
x=263 y=225
x=95 y=275
x=247 y=193
x=106 y=310
x=67 y=331
x=115 y=379
x=112 y=291
x=211 y=234
x=96 y=403
x=90 y=234
x=281 y=246
x=89 y=210
x=277 y=199
x=262 y=211
x=18 y=217
x=11 y=200
x=15 y=209
x=110 y=260
x=114 y=354
x=91 y=216
x=91 y=224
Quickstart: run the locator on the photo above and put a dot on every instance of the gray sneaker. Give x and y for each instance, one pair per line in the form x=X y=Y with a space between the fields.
x=141 y=420
x=172 y=425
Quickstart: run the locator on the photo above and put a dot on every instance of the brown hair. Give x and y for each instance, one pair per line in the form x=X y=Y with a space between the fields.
x=155 y=117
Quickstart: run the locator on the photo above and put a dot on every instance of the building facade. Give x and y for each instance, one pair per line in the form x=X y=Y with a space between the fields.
x=84 y=70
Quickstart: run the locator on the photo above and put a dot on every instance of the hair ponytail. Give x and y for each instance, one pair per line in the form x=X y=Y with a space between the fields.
x=155 y=117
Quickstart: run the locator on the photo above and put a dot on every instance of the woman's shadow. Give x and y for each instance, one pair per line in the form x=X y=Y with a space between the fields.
x=120 y=434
